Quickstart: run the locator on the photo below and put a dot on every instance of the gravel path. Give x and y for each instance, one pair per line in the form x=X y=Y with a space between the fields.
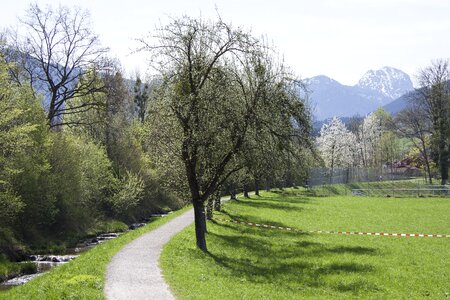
x=134 y=272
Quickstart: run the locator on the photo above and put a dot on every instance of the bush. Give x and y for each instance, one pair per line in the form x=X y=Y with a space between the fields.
x=129 y=192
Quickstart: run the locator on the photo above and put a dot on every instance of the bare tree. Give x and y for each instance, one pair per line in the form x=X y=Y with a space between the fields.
x=413 y=124
x=434 y=96
x=54 y=50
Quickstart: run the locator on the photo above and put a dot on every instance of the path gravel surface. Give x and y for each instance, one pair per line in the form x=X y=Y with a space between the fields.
x=134 y=271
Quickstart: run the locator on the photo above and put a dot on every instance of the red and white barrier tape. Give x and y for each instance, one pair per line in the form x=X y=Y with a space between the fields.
x=339 y=232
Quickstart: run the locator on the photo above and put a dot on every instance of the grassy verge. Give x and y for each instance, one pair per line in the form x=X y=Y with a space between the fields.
x=257 y=263
x=84 y=277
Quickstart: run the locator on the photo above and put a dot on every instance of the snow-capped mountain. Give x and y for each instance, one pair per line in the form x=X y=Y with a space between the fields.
x=388 y=81
x=376 y=88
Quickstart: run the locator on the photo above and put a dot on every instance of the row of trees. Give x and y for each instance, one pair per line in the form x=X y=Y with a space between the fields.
x=367 y=142
x=222 y=112
x=420 y=132
x=227 y=106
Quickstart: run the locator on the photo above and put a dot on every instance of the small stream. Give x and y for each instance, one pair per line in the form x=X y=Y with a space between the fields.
x=47 y=262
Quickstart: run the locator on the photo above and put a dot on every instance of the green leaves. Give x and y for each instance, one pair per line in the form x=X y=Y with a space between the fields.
x=20 y=122
x=129 y=191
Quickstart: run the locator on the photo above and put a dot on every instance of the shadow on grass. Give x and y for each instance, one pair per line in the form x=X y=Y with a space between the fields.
x=354 y=250
x=292 y=198
x=289 y=260
x=249 y=218
x=270 y=204
x=344 y=267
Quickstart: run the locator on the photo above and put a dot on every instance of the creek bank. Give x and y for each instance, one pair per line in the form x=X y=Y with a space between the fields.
x=46 y=262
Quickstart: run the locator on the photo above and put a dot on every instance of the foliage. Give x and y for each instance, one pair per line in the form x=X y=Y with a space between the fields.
x=434 y=97
x=128 y=194
x=23 y=163
x=218 y=84
x=336 y=144
x=141 y=97
x=369 y=142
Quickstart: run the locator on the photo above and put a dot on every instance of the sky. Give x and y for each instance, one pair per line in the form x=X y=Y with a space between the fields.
x=339 y=38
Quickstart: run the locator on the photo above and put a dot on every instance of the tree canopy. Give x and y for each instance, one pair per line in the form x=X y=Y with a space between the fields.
x=219 y=84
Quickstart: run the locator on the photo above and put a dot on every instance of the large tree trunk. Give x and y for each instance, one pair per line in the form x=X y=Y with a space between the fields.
x=269 y=184
x=217 y=204
x=232 y=193
x=209 y=208
x=257 y=187
x=246 y=195
x=200 y=224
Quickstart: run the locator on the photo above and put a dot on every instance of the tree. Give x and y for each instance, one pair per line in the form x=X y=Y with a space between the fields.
x=141 y=96
x=118 y=113
x=16 y=140
x=370 y=135
x=336 y=144
x=213 y=91
x=434 y=96
x=414 y=124
x=55 y=50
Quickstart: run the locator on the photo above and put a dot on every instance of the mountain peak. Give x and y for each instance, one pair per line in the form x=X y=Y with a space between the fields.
x=390 y=82
x=321 y=79
x=376 y=88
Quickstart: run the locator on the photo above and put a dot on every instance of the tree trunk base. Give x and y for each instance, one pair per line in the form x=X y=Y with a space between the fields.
x=200 y=225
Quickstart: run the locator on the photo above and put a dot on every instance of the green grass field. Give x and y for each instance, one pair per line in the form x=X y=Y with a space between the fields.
x=247 y=262
x=84 y=277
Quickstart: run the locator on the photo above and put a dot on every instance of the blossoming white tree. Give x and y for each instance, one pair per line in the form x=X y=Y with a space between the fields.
x=336 y=144
x=370 y=135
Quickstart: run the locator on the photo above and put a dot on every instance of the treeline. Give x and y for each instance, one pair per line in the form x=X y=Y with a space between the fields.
x=420 y=134
x=81 y=146
x=59 y=184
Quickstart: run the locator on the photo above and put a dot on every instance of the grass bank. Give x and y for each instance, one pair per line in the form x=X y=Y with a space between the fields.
x=257 y=263
x=84 y=277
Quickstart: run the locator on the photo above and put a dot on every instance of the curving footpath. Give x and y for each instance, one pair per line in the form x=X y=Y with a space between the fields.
x=134 y=272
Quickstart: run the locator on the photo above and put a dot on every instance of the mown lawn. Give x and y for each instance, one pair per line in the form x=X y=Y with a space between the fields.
x=84 y=277
x=247 y=262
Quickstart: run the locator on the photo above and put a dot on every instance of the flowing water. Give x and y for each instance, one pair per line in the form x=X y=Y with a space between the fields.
x=47 y=262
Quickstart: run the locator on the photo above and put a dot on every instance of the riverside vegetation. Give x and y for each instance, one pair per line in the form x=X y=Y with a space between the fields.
x=84 y=277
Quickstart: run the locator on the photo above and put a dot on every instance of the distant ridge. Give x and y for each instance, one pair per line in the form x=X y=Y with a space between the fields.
x=376 y=88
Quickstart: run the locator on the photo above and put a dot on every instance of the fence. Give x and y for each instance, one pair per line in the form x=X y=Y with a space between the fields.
x=322 y=176
x=426 y=191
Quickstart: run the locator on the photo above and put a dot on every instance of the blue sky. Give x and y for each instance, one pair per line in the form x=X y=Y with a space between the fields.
x=341 y=39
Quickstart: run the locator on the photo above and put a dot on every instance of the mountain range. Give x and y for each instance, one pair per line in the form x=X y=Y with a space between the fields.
x=376 y=88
